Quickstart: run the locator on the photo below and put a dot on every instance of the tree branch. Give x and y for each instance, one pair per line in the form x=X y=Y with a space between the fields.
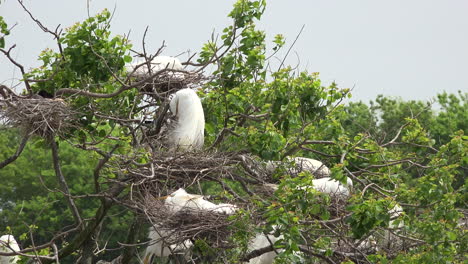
x=17 y=153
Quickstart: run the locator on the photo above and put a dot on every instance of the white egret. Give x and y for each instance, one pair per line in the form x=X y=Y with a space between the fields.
x=8 y=244
x=395 y=213
x=300 y=164
x=161 y=247
x=324 y=185
x=331 y=186
x=161 y=237
x=315 y=167
x=180 y=200
x=157 y=64
x=260 y=241
x=188 y=131
x=387 y=239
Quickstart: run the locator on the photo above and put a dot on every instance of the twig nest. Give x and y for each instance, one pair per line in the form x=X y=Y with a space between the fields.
x=193 y=217
x=164 y=74
x=170 y=170
x=44 y=117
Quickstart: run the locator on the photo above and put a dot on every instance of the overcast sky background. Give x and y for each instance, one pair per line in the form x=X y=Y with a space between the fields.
x=412 y=49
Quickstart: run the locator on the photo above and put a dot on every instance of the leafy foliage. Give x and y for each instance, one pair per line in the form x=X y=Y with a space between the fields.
x=394 y=151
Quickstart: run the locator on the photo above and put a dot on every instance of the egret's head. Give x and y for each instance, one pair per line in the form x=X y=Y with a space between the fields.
x=174 y=104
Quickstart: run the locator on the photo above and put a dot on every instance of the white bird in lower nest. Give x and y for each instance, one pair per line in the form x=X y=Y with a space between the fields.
x=158 y=63
x=180 y=200
x=188 y=132
x=161 y=246
x=8 y=244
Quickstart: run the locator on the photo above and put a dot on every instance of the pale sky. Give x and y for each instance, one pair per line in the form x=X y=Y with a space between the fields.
x=408 y=48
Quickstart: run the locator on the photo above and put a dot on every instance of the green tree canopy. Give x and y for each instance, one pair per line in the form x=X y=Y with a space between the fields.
x=84 y=175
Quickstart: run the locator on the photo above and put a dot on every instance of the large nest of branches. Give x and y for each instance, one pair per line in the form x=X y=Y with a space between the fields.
x=169 y=170
x=42 y=117
x=169 y=81
x=212 y=227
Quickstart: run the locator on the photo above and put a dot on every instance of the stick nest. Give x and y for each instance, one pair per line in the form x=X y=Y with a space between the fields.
x=42 y=117
x=212 y=227
x=170 y=81
x=170 y=170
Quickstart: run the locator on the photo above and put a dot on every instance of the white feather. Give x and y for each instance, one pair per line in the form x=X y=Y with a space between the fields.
x=157 y=64
x=260 y=241
x=332 y=186
x=8 y=244
x=160 y=245
x=188 y=132
x=315 y=167
x=324 y=185
x=181 y=200
x=394 y=213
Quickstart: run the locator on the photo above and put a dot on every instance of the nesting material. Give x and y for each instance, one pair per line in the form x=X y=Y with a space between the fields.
x=169 y=170
x=191 y=222
x=43 y=117
x=163 y=75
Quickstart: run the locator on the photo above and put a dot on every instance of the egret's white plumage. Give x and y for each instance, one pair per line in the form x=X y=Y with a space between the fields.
x=180 y=200
x=390 y=239
x=369 y=244
x=300 y=164
x=315 y=167
x=175 y=202
x=262 y=240
x=161 y=247
x=395 y=213
x=332 y=186
x=324 y=185
x=157 y=64
x=8 y=244
x=188 y=130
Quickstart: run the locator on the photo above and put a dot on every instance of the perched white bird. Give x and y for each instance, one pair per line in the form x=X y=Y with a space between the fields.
x=180 y=200
x=332 y=186
x=315 y=167
x=188 y=131
x=395 y=213
x=8 y=244
x=262 y=240
x=300 y=164
x=324 y=185
x=390 y=241
x=161 y=246
x=157 y=64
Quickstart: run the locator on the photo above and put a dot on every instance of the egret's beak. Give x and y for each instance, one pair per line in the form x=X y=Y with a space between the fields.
x=147 y=259
x=177 y=107
x=163 y=197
